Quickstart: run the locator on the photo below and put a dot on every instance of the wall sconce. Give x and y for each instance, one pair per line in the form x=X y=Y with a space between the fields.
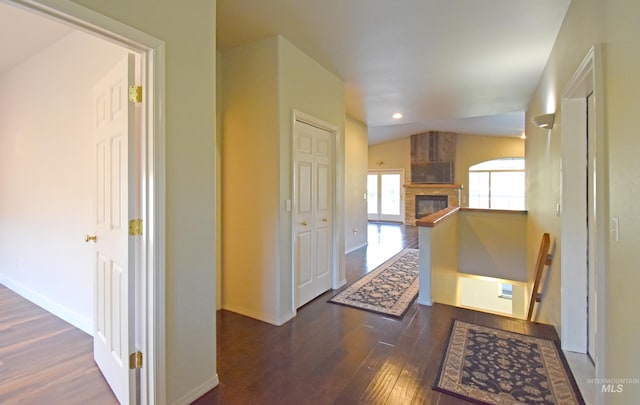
x=544 y=121
x=379 y=162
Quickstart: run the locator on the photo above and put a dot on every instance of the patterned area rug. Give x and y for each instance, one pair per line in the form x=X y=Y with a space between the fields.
x=492 y=366
x=389 y=289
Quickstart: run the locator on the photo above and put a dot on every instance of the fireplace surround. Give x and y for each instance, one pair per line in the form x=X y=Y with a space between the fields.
x=428 y=204
x=450 y=191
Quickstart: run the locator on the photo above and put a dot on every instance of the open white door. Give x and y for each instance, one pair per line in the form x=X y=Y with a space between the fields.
x=113 y=338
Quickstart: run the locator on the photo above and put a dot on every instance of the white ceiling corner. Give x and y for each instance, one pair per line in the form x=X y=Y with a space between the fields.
x=25 y=33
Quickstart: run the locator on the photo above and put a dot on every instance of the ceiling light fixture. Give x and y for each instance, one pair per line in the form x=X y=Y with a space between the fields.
x=544 y=121
x=523 y=136
x=396 y=116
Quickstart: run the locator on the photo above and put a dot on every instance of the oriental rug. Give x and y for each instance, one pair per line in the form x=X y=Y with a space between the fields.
x=492 y=366
x=388 y=289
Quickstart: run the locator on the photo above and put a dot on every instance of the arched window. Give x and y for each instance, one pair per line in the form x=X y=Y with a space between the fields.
x=497 y=184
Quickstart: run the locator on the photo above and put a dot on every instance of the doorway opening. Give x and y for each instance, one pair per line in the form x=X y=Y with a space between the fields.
x=584 y=212
x=148 y=179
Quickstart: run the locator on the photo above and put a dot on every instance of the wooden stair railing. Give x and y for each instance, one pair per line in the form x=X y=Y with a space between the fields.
x=544 y=258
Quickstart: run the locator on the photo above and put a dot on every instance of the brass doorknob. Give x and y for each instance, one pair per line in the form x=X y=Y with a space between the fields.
x=303 y=223
x=324 y=219
x=88 y=238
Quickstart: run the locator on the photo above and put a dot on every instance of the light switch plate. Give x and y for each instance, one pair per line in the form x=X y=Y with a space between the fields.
x=615 y=228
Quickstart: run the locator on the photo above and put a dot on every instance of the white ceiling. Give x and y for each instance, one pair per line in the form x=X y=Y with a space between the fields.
x=24 y=34
x=466 y=66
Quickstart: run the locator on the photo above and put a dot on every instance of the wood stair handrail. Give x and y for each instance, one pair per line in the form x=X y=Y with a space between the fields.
x=544 y=258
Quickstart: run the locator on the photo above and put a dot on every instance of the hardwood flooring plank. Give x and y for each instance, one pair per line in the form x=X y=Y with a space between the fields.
x=44 y=360
x=336 y=354
x=327 y=354
x=408 y=381
x=365 y=373
x=389 y=374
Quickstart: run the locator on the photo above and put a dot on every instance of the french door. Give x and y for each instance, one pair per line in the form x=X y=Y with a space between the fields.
x=385 y=195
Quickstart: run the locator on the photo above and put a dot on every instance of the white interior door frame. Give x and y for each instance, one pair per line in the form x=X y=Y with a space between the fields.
x=150 y=314
x=337 y=223
x=586 y=80
x=379 y=173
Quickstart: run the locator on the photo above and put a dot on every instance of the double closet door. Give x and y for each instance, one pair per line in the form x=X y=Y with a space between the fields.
x=313 y=211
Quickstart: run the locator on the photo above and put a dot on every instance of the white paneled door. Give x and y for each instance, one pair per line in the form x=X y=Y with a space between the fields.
x=313 y=216
x=114 y=271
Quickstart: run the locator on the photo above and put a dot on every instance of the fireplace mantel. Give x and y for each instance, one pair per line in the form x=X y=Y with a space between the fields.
x=452 y=191
x=433 y=185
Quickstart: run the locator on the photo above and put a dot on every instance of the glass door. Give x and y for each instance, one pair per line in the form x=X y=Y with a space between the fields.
x=385 y=195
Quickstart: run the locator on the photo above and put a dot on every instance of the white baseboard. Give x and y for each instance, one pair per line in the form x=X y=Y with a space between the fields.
x=81 y=322
x=197 y=392
x=356 y=247
x=259 y=316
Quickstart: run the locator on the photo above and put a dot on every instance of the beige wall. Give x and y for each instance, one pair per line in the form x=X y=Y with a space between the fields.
x=355 y=218
x=263 y=84
x=439 y=262
x=470 y=149
x=483 y=294
x=393 y=155
x=614 y=24
x=492 y=244
x=219 y=148
x=308 y=88
x=47 y=153
x=250 y=175
x=473 y=149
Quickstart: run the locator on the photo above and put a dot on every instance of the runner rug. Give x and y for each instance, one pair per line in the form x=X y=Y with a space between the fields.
x=492 y=366
x=388 y=289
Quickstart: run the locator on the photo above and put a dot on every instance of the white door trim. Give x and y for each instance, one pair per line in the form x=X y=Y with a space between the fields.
x=150 y=294
x=337 y=223
x=402 y=196
x=587 y=79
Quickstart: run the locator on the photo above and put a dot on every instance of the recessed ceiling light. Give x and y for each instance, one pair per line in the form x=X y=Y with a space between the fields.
x=397 y=116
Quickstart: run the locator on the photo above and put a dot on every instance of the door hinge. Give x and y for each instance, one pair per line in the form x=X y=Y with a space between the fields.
x=135 y=227
x=135 y=360
x=135 y=94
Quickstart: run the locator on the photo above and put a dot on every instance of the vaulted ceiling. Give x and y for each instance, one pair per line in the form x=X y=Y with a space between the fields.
x=466 y=66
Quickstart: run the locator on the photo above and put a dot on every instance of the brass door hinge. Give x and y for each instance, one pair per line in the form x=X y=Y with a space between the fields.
x=135 y=94
x=135 y=360
x=135 y=227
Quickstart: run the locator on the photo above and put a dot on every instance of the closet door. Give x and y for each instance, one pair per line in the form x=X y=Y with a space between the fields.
x=313 y=216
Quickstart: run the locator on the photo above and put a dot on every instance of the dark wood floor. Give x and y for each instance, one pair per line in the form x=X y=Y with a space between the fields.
x=331 y=354
x=45 y=360
x=327 y=354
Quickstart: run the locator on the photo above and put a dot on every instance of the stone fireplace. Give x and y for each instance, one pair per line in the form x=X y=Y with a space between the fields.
x=421 y=198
